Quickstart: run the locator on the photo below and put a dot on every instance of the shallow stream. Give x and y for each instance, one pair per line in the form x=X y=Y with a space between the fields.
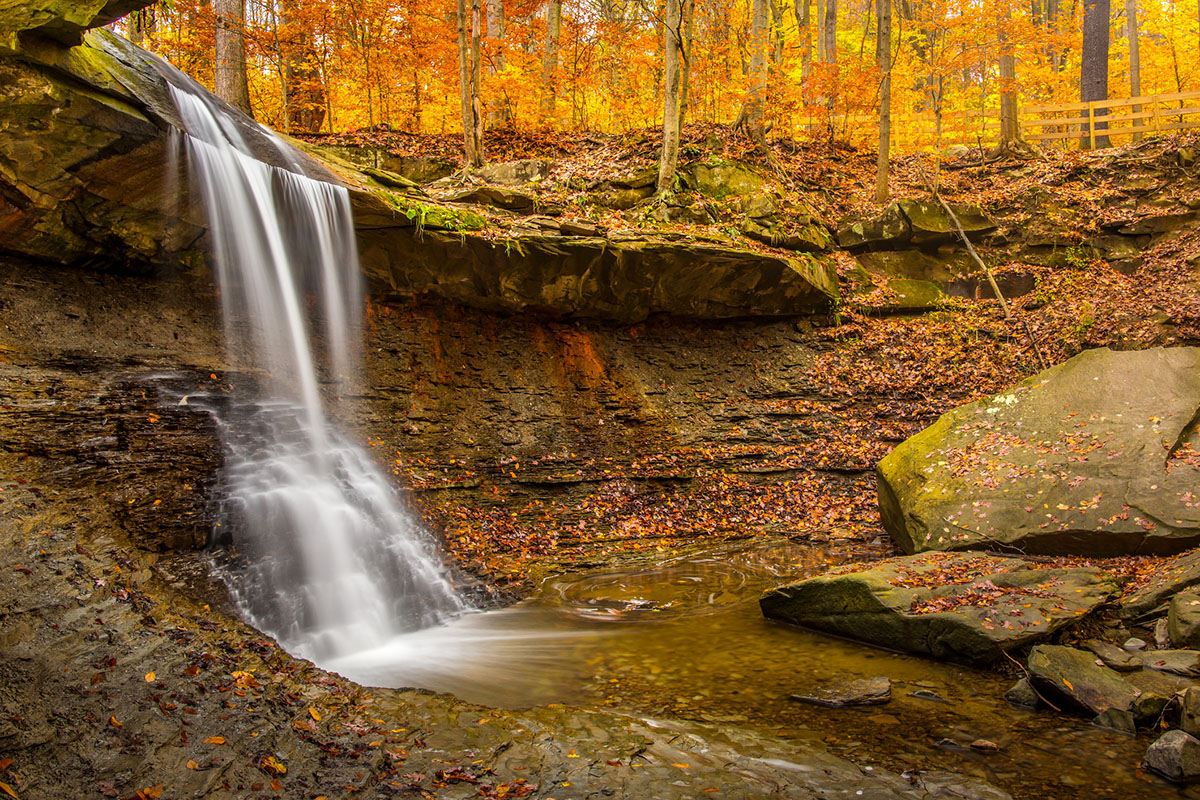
x=685 y=638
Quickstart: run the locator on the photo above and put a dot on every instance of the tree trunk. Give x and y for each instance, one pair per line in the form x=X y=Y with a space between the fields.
x=689 y=35
x=1135 y=62
x=135 y=27
x=476 y=80
x=777 y=36
x=829 y=31
x=1093 y=73
x=305 y=89
x=804 y=23
x=1010 y=130
x=499 y=114
x=230 y=69
x=821 y=31
x=883 y=54
x=751 y=119
x=468 y=95
x=550 y=57
x=672 y=55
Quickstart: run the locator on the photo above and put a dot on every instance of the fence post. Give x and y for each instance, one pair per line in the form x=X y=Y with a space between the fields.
x=1092 y=126
x=1157 y=122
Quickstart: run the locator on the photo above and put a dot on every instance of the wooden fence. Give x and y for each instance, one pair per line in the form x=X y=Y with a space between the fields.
x=1127 y=117
x=1064 y=126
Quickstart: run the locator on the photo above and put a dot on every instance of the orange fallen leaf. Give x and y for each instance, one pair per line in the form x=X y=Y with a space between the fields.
x=273 y=765
x=152 y=792
x=215 y=740
x=276 y=785
x=8 y=790
x=5 y=763
x=113 y=721
x=192 y=764
x=316 y=715
x=150 y=676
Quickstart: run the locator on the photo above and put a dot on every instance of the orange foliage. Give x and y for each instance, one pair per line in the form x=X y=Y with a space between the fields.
x=394 y=63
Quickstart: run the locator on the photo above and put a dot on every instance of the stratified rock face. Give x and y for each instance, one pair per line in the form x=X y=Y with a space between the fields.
x=949 y=605
x=1096 y=456
x=594 y=277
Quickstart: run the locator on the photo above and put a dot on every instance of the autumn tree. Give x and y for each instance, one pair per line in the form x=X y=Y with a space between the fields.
x=550 y=57
x=751 y=120
x=230 y=65
x=1093 y=72
x=1010 y=130
x=1135 y=61
x=672 y=58
x=468 y=75
x=498 y=112
x=804 y=29
x=304 y=88
x=883 y=55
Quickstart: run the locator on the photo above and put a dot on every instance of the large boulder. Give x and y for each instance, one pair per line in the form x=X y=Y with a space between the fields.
x=1090 y=457
x=962 y=607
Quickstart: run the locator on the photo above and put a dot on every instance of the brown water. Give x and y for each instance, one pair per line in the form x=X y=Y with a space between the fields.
x=685 y=638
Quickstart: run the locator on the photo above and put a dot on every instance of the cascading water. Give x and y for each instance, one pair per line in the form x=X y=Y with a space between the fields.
x=327 y=562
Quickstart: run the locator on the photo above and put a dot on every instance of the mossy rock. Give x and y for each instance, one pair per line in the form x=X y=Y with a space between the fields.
x=721 y=179
x=963 y=607
x=1077 y=460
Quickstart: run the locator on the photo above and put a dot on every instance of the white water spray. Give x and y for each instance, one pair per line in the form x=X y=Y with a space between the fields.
x=326 y=561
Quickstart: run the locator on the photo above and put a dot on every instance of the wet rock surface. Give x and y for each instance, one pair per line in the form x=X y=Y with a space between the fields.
x=1175 y=756
x=868 y=692
x=955 y=606
x=1080 y=459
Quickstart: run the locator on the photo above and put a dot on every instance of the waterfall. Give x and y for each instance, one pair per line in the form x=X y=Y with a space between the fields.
x=325 y=560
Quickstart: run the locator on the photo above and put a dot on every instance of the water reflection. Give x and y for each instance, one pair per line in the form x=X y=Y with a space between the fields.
x=693 y=645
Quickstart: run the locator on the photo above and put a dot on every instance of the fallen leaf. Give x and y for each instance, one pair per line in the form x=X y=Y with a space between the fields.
x=5 y=763
x=273 y=765
x=192 y=764
x=276 y=785
x=150 y=677
x=8 y=790
x=152 y=792
x=215 y=740
x=316 y=715
x=113 y=721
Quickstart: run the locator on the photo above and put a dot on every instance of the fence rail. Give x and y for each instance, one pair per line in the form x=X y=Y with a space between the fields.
x=1064 y=125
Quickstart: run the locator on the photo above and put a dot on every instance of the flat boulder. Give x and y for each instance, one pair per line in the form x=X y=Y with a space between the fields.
x=1077 y=678
x=931 y=225
x=1096 y=456
x=958 y=606
x=1150 y=595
